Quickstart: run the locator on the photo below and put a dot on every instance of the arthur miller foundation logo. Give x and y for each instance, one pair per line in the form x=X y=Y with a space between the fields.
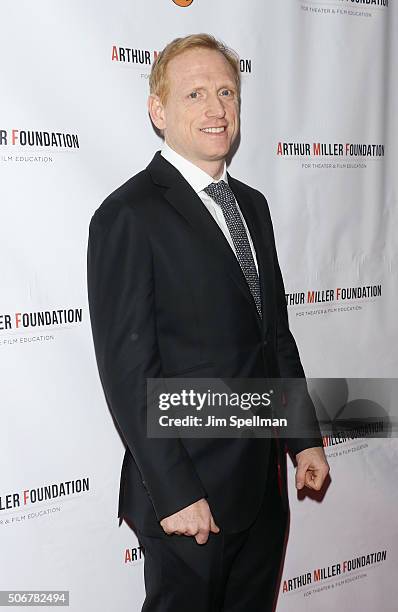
x=43 y=493
x=42 y=318
x=134 y=555
x=342 y=572
x=38 y=138
x=333 y=295
x=328 y=149
x=140 y=58
x=336 y=299
x=25 y=145
x=42 y=323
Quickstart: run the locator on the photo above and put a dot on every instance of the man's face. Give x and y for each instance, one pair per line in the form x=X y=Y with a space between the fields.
x=200 y=117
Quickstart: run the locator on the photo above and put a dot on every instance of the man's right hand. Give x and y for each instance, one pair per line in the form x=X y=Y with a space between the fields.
x=194 y=520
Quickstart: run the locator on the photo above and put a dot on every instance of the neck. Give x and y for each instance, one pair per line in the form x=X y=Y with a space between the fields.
x=216 y=172
x=213 y=168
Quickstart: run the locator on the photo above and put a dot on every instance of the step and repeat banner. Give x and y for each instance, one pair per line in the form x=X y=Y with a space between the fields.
x=319 y=139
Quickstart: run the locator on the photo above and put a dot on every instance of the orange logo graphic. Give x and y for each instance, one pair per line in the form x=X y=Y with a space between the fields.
x=182 y=2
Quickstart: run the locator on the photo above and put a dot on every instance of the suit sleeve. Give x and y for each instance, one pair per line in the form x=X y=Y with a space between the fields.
x=122 y=311
x=300 y=410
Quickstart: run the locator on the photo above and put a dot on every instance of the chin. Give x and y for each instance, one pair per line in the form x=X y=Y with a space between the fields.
x=218 y=153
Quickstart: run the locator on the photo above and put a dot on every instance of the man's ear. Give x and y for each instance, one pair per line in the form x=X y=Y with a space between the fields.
x=156 y=111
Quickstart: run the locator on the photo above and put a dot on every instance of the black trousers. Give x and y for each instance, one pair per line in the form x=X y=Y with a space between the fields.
x=230 y=573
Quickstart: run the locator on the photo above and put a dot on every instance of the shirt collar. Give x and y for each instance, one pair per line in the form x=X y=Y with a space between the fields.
x=195 y=176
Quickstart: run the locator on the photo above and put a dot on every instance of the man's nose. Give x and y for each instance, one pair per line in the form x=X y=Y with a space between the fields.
x=215 y=107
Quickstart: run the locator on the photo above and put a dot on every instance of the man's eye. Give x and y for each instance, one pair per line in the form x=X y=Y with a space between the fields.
x=226 y=92
x=193 y=95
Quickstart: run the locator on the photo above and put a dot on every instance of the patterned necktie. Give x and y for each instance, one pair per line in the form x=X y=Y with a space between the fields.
x=222 y=194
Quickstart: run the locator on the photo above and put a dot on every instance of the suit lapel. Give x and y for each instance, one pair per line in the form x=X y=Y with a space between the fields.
x=182 y=197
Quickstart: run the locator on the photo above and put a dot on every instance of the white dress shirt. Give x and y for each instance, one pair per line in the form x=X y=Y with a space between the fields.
x=198 y=180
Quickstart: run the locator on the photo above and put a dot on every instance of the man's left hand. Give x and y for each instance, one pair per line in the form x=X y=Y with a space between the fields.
x=312 y=468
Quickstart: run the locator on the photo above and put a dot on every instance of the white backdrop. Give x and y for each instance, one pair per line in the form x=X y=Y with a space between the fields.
x=314 y=72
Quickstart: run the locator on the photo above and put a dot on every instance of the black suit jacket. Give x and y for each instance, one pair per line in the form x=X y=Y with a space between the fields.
x=167 y=297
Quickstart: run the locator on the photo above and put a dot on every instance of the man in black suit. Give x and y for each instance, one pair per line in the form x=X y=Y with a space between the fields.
x=184 y=281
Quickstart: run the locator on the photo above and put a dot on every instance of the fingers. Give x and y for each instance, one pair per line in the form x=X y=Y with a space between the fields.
x=312 y=468
x=194 y=521
x=313 y=478
x=318 y=478
x=200 y=533
x=167 y=530
x=213 y=527
x=301 y=475
x=202 y=536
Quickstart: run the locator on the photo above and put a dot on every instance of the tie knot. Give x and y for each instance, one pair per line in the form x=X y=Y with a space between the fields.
x=220 y=192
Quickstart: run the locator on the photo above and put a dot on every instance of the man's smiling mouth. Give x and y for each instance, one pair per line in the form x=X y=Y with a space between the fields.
x=213 y=130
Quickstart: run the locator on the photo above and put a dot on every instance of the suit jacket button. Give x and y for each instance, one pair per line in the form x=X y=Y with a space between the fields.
x=265 y=342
